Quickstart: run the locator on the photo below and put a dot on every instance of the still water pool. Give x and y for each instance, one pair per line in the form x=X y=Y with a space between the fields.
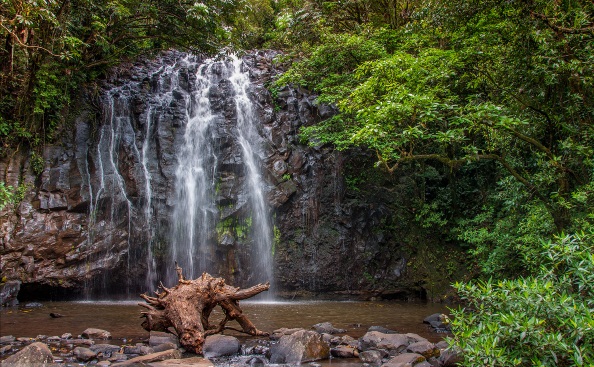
x=122 y=319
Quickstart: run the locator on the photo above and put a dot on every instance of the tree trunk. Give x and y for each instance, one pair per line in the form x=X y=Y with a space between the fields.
x=187 y=307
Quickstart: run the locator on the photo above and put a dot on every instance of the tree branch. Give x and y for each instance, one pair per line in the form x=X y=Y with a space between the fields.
x=560 y=29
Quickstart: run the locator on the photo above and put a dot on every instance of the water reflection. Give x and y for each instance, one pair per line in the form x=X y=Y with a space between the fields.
x=122 y=318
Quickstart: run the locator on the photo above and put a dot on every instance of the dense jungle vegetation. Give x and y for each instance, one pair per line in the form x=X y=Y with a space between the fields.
x=487 y=105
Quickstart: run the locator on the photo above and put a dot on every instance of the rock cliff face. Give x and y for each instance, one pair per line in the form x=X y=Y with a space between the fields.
x=101 y=214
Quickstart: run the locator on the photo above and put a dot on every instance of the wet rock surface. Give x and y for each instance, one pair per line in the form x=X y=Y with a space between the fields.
x=107 y=189
x=221 y=345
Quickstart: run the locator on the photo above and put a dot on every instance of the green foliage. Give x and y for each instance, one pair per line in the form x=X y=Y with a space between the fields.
x=37 y=163
x=545 y=320
x=6 y=195
x=497 y=90
x=507 y=241
x=12 y=195
x=329 y=68
x=53 y=48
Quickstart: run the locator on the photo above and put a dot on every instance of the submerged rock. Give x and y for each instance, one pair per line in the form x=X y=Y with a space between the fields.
x=373 y=357
x=92 y=333
x=327 y=328
x=84 y=354
x=221 y=345
x=158 y=337
x=33 y=305
x=382 y=329
x=344 y=351
x=105 y=349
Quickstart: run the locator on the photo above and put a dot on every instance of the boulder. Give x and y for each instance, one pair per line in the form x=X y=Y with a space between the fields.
x=220 y=345
x=158 y=337
x=438 y=322
x=393 y=343
x=449 y=357
x=332 y=340
x=373 y=357
x=7 y=339
x=431 y=318
x=142 y=349
x=415 y=338
x=343 y=351
x=33 y=354
x=442 y=345
x=154 y=357
x=382 y=329
x=350 y=341
x=426 y=349
x=92 y=333
x=278 y=333
x=105 y=349
x=327 y=328
x=405 y=360
x=66 y=336
x=84 y=354
x=5 y=349
x=301 y=346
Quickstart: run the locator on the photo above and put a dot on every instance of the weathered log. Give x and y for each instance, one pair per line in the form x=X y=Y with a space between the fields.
x=187 y=307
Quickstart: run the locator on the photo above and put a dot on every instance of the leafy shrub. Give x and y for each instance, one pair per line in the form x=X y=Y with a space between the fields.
x=545 y=320
x=6 y=195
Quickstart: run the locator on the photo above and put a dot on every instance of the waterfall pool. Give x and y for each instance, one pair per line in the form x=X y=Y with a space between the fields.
x=122 y=319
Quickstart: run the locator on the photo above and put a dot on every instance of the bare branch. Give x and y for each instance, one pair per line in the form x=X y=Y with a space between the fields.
x=249 y=292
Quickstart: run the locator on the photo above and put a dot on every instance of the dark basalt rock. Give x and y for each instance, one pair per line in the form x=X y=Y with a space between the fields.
x=83 y=218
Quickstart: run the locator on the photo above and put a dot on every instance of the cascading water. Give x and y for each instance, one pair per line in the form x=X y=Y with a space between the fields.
x=203 y=207
x=248 y=138
x=195 y=210
x=198 y=217
x=110 y=200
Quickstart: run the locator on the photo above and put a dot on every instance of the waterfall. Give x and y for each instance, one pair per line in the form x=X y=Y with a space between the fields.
x=176 y=176
x=195 y=209
x=198 y=217
x=248 y=137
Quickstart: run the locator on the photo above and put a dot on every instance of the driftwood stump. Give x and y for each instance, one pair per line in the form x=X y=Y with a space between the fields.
x=187 y=306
